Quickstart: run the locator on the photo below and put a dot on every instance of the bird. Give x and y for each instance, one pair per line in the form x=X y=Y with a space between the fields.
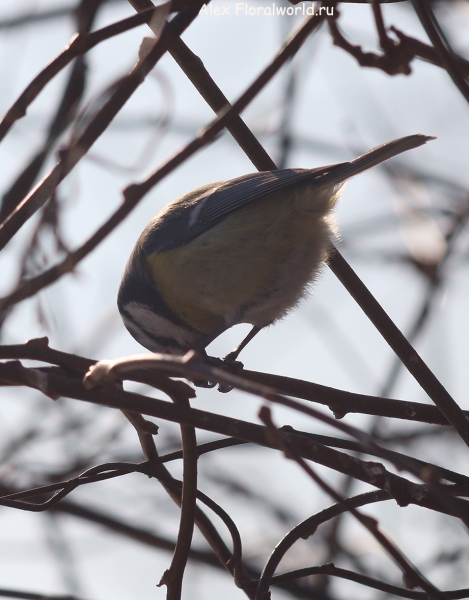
x=246 y=250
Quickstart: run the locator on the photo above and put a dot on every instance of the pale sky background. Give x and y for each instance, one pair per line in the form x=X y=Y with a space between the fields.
x=340 y=110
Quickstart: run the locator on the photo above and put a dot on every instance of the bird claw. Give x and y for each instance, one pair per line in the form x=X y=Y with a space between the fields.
x=233 y=366
x=200 y=383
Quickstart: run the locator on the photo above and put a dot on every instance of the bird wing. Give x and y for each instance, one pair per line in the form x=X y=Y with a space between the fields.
x=247 y=189
x=240 y=192
x=188 y=221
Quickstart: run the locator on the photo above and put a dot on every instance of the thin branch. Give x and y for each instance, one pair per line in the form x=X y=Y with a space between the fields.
x=395 y=60
x=79 y=44
x=309 y=526
x=376 y=584
x=173 y=577
x=428 y=53
x=405 y=492
x=8 y=593
x=393 y=336
x=134 y=532
x=443 y=49
x=101 y=373
x=196 y=72
x=398 y=56
x=384 y=41
x=97 y=124
x=117 y=469
x=340 y=402
x=66 y=110
x=412 y=575
x=435 y=283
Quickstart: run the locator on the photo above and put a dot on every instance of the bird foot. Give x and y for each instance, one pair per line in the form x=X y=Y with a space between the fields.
x=233 y=366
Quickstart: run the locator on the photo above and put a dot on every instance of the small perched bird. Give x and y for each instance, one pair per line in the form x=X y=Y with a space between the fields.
x=239 y=251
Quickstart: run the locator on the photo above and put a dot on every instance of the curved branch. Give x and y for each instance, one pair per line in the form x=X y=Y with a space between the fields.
x=309 y=526
x=412 y=576
x=376 y=584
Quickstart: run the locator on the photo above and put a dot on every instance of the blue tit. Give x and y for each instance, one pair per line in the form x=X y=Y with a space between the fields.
x=240 y=251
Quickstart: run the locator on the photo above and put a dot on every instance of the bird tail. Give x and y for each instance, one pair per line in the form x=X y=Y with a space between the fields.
x=339 y=173
x=377 y=155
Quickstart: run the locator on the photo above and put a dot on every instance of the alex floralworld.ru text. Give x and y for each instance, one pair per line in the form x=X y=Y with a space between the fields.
x=269 y=10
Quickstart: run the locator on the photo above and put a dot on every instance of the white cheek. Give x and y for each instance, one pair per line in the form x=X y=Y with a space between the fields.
x=144 y=340
x=158 y=326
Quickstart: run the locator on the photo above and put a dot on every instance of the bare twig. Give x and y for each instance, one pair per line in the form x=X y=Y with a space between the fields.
x=440 y=43
x=403 y=491
x=79 y=44
x=333 y=571
x=173 y=577
x=96 y=126
x=66 y=111
x=412 y=575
